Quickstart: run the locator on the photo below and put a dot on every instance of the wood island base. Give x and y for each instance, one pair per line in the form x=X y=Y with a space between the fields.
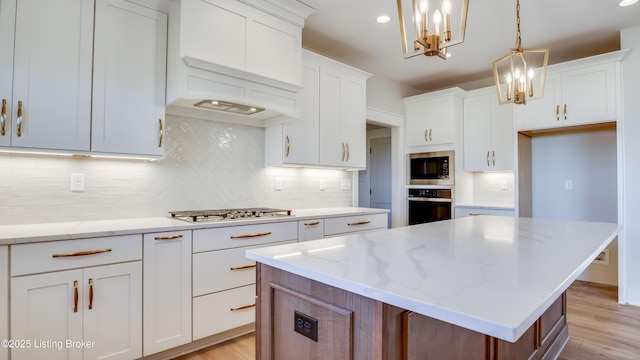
x=351 y=326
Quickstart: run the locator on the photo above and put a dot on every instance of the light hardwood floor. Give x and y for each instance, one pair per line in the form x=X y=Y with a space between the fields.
x=599 y=327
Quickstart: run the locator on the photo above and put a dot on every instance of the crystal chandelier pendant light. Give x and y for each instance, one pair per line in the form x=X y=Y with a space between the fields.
x=520 y=75
x=428 y=30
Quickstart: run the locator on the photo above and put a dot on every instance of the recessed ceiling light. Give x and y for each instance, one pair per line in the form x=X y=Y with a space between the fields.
x=627 y=2
x=383 y=19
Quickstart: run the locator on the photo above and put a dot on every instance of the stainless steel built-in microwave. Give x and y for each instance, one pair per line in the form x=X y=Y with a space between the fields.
x=431 y=168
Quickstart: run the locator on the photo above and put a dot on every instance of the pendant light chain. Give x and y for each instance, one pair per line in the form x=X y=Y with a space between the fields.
x=518 y=34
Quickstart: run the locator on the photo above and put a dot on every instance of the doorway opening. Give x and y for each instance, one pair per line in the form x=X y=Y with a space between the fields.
x=374 y=183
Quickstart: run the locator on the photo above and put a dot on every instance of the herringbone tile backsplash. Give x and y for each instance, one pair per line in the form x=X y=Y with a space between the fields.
x=207 y=165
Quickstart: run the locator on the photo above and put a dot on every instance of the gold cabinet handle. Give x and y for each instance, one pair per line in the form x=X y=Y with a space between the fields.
x=90 y=293
x=3 y=119
x=476 y=214
x=81 y=253
x=161 y=131
x=19 y=118
x=251 y=235
x=243 y=267
x=343 y=151
x=243 y=307
x=312 y=223
x=565 y=111
x=430 y=135
x=348 y=152
x=426 y=135
x=75 y=296
x=488 y=158
x=359 y=223
x=171 y=237
x=286 y=154
x=557 y=112
x=493 y=157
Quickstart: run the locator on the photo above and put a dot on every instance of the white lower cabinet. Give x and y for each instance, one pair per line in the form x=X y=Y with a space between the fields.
x=167 y=290
x=311 y=229
x=224 y=295
x=352 y=224
x=92 y=312
x=4 y=299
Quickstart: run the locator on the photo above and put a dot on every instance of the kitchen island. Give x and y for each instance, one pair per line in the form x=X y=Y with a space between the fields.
x=484 y=287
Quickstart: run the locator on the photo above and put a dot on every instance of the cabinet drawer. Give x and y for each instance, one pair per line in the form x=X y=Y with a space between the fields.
x=224 y=269
x=223 y=311
x=70 y=254
x=246 y=235
x=349 y=224
x=311 y=229
x=464 y=212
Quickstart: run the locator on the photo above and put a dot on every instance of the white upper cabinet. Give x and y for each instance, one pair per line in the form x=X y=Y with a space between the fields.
x=51 y=102
x=7 y=18
x=579 y=92
x=129 y=72
x=489 y=133
x=431 y=117
x=296 y=142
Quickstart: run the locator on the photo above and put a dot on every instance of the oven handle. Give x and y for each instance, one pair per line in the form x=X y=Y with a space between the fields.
x=412 y=198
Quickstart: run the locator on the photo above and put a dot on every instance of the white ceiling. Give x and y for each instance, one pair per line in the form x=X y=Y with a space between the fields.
x=346 y=30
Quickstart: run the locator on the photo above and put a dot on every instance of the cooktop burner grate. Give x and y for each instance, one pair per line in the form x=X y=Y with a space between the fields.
x=228 y=214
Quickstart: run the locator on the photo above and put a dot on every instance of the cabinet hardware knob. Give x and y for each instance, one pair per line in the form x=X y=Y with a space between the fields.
x=359 y=223
x=171 y=237
x=312 y=223
x=19 y=118
x=288 y=147
x=251 y=235
x=161 y=132
x=243 y=267
x=90 y=293
x=243 y=307
x=81 y=253
x=75 y=296
x=3 y=119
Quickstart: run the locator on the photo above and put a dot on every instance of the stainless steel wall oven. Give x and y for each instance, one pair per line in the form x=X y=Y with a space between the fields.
x=429 y=205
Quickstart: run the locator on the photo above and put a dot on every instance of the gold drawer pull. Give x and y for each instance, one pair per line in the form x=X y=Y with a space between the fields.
x=359 y=223
x=312 y=223
x=90 y=293
x=251 y=235
x=243 y=267
x=478 y=214
x=243 y=307
x=171 y=237
x=81 y=253
x=160 y=132
x=19 y=119
x=288 y=147
x=3 y=119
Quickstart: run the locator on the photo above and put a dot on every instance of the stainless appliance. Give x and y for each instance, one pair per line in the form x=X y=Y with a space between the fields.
x=429 y=205
x=228 y=214
x=431 y=168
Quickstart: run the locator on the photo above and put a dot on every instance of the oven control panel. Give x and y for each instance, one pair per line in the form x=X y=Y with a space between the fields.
x=431 y=193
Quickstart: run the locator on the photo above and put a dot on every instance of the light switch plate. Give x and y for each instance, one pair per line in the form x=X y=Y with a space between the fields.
x=77 y=182
x=323 y=185
x=278 y=184
x=345 y=185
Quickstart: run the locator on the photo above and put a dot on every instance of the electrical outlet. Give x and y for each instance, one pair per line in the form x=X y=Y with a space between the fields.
x=278 y=184
x=305 y=325
x=503 y=185
x=345 y=185
x=568 y=184
x=77 y=182
x=323 y=186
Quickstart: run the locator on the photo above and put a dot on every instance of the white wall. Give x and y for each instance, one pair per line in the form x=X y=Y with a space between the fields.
x=386 y=95
x=208 y=165
x=589 y=161
x=630 y=39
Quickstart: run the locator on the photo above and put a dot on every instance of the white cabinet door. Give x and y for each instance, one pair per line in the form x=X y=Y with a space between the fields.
x=301 y=135
x=312 y=229
x=416 y=126
x=4 y=299
x=52 y=74
x=332 y=144
x=354 y=120
x=113 y=311
x=488 y=133
x=589 y=94
x=167 y=289
x=545 y=112
x=7 y=26
x=44 y=308
x=129 y=76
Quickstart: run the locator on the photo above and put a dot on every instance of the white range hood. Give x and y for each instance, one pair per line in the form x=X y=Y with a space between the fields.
x=226 y=58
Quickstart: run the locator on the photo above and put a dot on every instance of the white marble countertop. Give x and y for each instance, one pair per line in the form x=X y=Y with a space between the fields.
x=28 y=233
x=492 y=274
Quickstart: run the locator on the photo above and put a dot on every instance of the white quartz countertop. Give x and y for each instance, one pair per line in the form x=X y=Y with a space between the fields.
x=28 y=233
x=491 y=274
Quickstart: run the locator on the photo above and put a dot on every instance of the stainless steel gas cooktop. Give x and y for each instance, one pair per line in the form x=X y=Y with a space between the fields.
x=228 y=214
